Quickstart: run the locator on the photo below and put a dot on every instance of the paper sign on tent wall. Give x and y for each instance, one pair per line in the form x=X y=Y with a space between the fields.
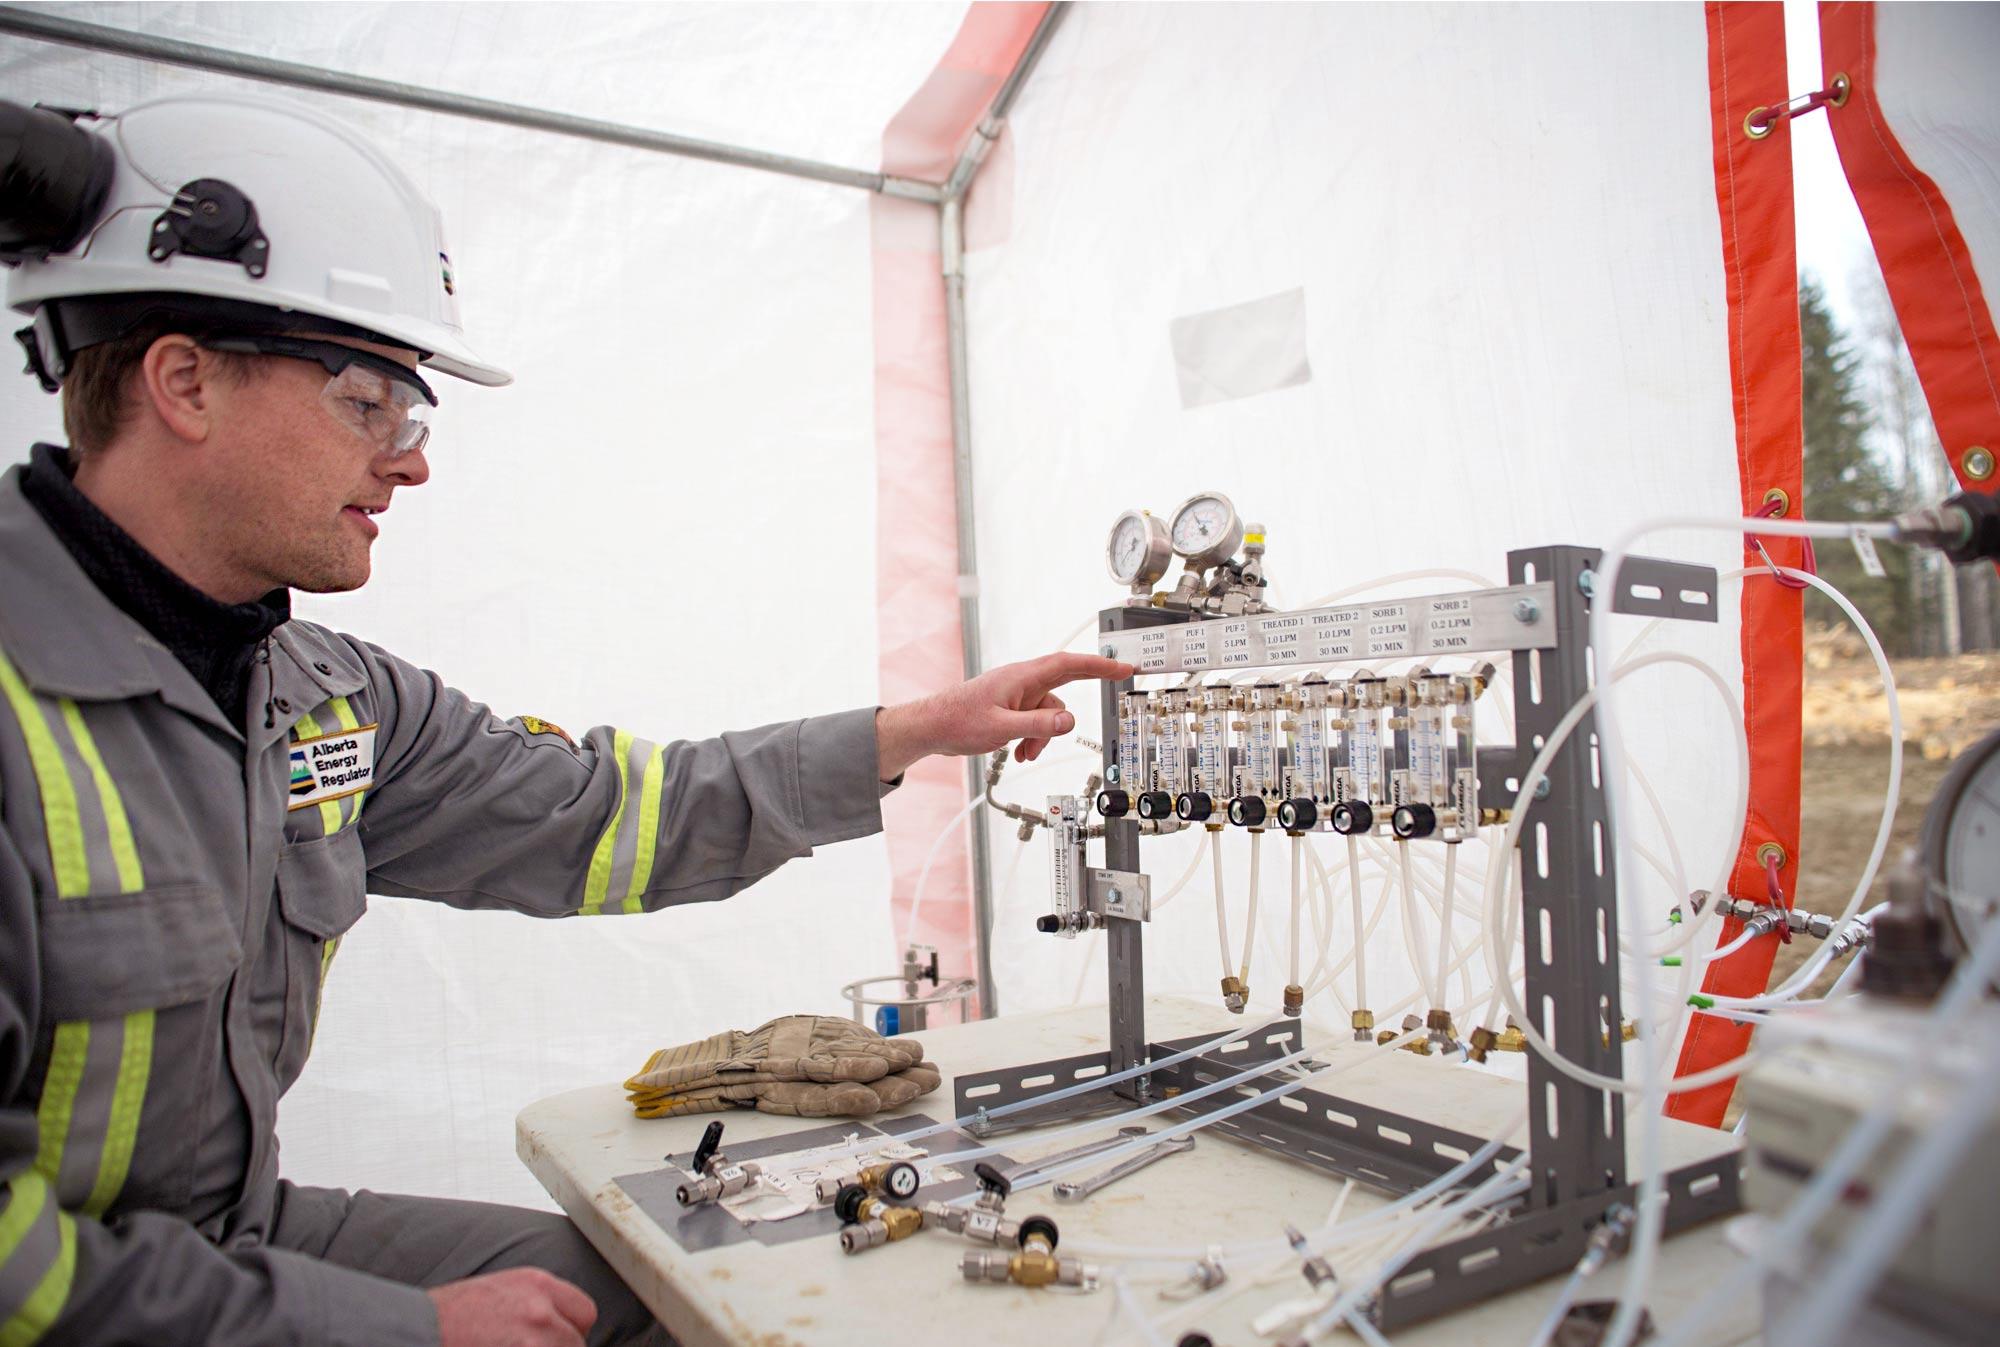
x=1241 y=350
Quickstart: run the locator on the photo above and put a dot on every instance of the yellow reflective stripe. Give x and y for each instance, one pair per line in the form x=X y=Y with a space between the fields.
x=30 y=1190
x=131 y=875
x=51 y=1293
x=329 y=810
x=649 y=830
x=598 y=884
x=350 y=806
x=135 y=1068
x=66 y=1059
x=60 y=816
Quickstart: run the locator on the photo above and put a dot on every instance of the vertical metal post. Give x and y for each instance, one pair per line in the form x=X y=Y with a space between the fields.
x=1569 y=899
x=951 y=247
x=1124 y=946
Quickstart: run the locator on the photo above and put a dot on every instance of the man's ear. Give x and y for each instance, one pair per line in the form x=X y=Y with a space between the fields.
x=178 y=380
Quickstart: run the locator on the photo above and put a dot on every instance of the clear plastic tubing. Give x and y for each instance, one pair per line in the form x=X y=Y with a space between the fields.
x=1181 y=1100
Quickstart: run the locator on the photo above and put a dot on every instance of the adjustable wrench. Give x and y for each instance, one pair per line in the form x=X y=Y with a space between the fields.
x=1159 y=1150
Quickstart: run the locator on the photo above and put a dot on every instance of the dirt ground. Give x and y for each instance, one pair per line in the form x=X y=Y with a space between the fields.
x=1947 y=705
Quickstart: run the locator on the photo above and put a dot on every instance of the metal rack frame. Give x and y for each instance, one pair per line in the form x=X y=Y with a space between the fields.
x=1576 y=1143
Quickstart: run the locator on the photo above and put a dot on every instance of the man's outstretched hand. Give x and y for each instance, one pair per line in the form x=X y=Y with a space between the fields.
x=1012 y=702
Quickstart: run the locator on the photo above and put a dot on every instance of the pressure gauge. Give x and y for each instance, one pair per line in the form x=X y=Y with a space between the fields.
x=1207 y=530
x=1961 y=839
x=1139 y=551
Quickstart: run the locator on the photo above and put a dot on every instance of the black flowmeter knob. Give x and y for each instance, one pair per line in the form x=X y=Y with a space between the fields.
x=1113 y=803
x=1352 y=816
x=1413 y=820
x=1156 y=804
x=1247 y=811
x=1195 y=806
x=1295 y=816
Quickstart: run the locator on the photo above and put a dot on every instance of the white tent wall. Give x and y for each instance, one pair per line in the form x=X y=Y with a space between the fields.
x=1501 y=225
x=634 y=533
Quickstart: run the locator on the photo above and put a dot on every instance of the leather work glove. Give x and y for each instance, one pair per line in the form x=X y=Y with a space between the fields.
x=805 y=1065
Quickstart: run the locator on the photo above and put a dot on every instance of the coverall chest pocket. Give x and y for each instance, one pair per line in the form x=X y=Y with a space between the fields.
x=322 y=892
x=132 y=993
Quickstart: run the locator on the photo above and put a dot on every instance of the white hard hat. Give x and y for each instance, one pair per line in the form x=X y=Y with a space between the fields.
x=217 y=203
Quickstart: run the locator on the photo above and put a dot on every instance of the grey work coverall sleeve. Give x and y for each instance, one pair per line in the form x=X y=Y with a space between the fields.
x=146 y=1277
x=477 y=811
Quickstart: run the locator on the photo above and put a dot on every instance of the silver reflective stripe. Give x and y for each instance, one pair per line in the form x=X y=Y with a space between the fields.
x=625 y=850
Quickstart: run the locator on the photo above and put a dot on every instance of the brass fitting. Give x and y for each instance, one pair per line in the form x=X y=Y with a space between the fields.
x=1364 y=1026
x=1420 y=1046
x=1035 y=1265
x=1234 y=994
x=1483 y=1041
x=885 y=1225
x=1295 y=1000
x=1626 y=1033
x=1512 y=1040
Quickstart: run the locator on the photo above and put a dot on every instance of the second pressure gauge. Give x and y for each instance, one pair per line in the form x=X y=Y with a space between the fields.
x=1139 y=551
x=1207 y=530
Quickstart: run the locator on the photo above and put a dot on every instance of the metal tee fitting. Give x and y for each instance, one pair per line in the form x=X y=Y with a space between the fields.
x=1234 y=994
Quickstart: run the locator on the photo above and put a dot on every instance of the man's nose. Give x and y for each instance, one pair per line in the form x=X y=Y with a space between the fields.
x=409 y=469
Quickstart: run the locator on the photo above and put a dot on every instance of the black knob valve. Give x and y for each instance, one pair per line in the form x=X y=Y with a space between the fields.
x=1156 y=804
x=1113 y=803
x=1195 y=806
x=1247 y=811
x=1351 y=817
x=1037 y=1225
x=847 y=1202
x=1413 y=820
x=1048 y=925
x=1296 y=816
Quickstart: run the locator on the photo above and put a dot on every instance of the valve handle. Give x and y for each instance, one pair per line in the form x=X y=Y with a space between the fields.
x=711 y=1142
x=992 y=1180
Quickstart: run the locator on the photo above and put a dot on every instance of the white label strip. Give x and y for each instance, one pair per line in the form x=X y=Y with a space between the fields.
x=1518 y=617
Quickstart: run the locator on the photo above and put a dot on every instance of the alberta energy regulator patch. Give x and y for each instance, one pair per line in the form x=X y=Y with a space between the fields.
x=332 y=766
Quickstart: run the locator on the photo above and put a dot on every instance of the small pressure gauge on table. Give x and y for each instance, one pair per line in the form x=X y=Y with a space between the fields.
x=1207 y=530
x=1139 y=551
x=1960 y=848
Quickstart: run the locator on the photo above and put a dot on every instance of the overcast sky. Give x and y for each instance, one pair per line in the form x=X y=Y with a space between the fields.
x=1833 y=243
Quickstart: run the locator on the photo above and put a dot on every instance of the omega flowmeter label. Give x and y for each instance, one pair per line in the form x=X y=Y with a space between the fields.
x=332 y=766
x=1478 y=621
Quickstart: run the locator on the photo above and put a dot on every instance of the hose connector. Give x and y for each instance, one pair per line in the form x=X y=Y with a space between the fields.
x=1364 y=1026
x=1234 y=994
x=1295 y=1000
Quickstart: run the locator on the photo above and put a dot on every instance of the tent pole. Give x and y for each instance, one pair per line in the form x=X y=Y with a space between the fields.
x=951 y=249
x=951 y=246
x=54 y=28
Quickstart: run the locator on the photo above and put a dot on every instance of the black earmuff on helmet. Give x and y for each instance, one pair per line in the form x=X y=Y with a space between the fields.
x=54 y=177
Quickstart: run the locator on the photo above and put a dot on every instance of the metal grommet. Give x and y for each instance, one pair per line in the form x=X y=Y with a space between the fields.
x=1841 y=87
x=1977 y=463
x=1756 y=130
x=1770 y=851
x=1780 y=497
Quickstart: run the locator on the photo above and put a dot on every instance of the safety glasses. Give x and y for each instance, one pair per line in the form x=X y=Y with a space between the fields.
x=383 y=402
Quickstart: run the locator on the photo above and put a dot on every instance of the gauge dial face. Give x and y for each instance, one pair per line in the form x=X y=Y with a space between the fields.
x=1206 y=529
x=1138 y=552
x=1972 y=834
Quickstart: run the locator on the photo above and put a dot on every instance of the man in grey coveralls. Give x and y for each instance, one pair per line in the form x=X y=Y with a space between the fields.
x=197 y=792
